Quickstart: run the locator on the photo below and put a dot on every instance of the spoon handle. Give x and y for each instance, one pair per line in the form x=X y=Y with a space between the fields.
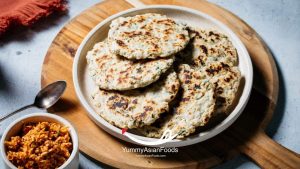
x=12 y=113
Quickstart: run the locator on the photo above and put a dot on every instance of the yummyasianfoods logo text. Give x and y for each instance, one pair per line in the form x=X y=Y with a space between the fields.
x=151 y=150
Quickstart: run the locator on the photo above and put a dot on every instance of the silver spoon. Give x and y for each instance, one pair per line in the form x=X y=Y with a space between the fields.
x=46 y=97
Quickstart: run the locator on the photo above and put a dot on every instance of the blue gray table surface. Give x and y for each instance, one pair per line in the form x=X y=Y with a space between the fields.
x=277 y=21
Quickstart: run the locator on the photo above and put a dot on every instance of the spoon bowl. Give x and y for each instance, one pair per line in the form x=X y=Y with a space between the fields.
x=49 y=95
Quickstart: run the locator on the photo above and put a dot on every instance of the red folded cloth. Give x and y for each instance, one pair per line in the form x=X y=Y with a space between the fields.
x=26 y=12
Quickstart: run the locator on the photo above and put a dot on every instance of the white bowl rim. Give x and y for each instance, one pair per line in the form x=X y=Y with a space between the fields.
x=72 y=132
x=205 y=135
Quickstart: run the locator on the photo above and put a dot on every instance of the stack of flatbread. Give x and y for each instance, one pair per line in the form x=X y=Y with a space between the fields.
x=152 y=69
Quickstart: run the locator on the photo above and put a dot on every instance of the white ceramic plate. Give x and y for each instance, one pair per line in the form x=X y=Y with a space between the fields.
x=84 y=84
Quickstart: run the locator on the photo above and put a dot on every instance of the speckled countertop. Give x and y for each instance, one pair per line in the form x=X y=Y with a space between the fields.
x=277 y=21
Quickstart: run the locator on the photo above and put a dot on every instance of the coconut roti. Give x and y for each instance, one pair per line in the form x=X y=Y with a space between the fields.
x=112 y=72
x=139 y=107
x=147 y=36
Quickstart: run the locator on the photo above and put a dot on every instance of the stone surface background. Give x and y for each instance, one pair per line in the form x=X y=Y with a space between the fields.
x=277 y=21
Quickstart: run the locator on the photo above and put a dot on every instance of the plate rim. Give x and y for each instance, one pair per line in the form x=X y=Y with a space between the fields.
x=115 y=131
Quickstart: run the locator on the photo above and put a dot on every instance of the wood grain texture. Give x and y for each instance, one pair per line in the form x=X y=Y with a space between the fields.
x=245 y=135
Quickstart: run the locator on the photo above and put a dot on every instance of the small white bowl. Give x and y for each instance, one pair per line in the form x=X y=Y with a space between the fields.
x=15 y=127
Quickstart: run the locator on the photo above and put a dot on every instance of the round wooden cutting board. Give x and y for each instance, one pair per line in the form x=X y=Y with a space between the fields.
x=246 y=135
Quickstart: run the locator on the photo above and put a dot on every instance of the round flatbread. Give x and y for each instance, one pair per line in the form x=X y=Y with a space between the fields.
x=226 y=80
x=147 y=36
x=139 y=107
x=208 y=46
x=213 y=53
x=112 y=72
x=195 y=108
